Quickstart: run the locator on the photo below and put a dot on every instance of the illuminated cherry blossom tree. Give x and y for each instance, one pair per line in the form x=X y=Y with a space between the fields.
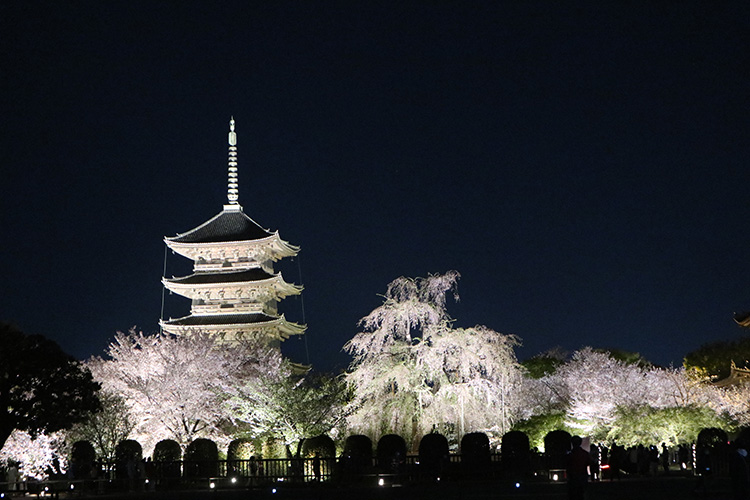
x=413 y=372
x=291 y=407
x=174 y=386
x=37 y=457
x=594 y=384
x=599 y=395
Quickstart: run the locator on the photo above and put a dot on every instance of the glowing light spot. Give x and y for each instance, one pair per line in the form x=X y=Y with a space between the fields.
x=555 y=477
x=518 y=485
x=212 y=485
x=381 y=481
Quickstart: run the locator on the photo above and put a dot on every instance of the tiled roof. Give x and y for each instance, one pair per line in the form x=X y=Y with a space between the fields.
x=226 y=226
x=221 y=319
x=742 y=319
x=253 y=274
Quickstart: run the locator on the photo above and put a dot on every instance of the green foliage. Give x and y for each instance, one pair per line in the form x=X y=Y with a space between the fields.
x=651 y=426
x=322 y=445
x=273 y=447
x=715 y=358
x=107 y=427
x=242 y=449
x=42 y=389
x=541 y=365
x=291 y=408
x=538 y=426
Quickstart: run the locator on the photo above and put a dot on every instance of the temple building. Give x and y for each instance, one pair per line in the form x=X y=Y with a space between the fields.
x=233 y=287
x=737 y=375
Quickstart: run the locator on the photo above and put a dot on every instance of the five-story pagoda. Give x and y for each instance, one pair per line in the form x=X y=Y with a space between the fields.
x=233 y=286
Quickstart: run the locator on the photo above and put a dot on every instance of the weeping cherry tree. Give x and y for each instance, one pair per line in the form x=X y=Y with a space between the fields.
x=412 y=372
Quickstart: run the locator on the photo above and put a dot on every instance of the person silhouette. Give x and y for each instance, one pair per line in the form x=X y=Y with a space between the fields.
x=577 y=468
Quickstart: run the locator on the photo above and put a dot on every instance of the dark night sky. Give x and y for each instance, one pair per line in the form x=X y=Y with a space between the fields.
x=585 y=169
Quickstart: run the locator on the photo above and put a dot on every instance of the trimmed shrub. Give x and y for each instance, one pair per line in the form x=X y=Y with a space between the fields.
x=475 y=451
x=167 y=450
x=434 y=454
x=240 y=452
x=357 y=455
x=272 y=448
x=322 y=450
x=514 y=450
x=128 y=454
x=391 y=453
x=711 y=450
x=322 y=445
x=167 y=456
x=556 y=447
x=201 y=459
x=242 y=449
x=82 y=459
x=742 y=439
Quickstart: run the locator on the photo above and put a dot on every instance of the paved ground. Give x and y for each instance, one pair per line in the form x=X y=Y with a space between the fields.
x=659 y=488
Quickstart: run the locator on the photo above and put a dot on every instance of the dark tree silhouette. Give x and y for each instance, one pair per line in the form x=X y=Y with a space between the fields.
x=716 y=358
x=42 y=389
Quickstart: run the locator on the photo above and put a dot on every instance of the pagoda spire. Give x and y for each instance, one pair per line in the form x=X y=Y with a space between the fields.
x=233 y=193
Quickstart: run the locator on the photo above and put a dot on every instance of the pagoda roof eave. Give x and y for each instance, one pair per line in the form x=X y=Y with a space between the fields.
x=227 y=225
x=211 y=322
x=252 y=275
x=742 y=319
x=284 y=248
x=219 y=279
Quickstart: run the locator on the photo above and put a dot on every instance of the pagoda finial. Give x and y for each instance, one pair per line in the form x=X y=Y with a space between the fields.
x=233 y=193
